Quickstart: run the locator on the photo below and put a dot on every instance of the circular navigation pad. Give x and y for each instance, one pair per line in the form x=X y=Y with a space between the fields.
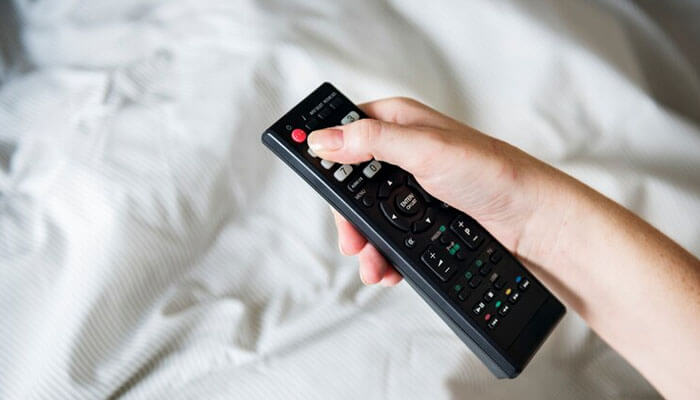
x=407 y=202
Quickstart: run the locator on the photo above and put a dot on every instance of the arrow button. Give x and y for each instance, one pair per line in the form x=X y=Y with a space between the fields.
x=393 y=217
x=425 y=222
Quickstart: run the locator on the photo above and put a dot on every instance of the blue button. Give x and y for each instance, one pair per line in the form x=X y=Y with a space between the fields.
x=518 y=279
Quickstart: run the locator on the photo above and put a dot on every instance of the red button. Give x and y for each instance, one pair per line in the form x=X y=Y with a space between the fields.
x=298 y=135
x=487 y=317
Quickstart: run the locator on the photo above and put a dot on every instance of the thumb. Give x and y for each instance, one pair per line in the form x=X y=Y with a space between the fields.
x=362 y=140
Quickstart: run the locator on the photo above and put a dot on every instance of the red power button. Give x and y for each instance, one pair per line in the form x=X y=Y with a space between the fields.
x=298 y=135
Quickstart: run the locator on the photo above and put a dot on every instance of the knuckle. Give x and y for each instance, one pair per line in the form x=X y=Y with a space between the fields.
x=370 y=130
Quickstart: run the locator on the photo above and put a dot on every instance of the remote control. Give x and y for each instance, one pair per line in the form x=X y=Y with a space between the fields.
x=493 y=304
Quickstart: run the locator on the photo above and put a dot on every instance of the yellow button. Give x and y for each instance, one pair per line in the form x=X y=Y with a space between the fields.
x=508 y=291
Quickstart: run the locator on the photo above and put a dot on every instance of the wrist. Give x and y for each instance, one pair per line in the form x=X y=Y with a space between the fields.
x=557 y=197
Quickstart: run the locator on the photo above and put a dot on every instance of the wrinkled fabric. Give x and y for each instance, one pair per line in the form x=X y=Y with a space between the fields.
x=151 y=247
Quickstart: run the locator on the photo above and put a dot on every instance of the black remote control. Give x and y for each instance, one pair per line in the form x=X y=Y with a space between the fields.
x=495 y=306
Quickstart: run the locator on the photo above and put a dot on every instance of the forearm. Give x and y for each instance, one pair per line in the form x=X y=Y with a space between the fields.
x=635 y=287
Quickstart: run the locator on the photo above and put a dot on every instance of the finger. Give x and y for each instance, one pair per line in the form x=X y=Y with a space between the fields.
x=372 y=265
x=391 y=277
x=350 y=241
x=406 y=111
x=385 y=141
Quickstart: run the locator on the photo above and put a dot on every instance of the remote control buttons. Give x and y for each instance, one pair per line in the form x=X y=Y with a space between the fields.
x=327 y=164
x=407 y=202
x=351 y=117
x=504 y=310
x=494 y=322
x=372 y=168
x=325 y=112
x=523 y=283
x=336 y=102
x=343 y=172
x=355 y=184
x=388 y=185
x=467 y=231
x=311 y=152
x=298 y=135
x=411 y=182
x=311 y=124
x=479 y=308
x=409 y=241
x=514 y=298
x=393 y=217
x=438 y=263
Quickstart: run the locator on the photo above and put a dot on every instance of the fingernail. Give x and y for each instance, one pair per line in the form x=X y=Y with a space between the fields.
x=362 y=278
x=342 y=250
x=326 y=140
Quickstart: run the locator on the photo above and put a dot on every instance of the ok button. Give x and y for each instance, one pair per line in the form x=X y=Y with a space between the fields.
x=407 y=202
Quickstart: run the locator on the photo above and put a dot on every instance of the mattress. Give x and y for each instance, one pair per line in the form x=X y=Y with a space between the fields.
x=150 y=247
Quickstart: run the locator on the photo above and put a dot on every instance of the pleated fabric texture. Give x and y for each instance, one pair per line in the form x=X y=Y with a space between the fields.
x=150 y=247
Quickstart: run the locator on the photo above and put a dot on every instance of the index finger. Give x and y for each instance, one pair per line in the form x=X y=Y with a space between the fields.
x=406 y=111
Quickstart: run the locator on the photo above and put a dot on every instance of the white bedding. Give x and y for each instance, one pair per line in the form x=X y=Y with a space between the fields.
x=150 y=247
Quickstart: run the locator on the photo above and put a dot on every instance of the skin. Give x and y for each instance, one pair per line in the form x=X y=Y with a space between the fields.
x=639 y=290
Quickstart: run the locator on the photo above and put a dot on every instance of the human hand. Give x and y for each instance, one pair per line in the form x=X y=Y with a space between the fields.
x=493 y=182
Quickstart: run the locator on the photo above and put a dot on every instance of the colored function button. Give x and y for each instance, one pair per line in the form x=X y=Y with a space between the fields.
x=518 y=279
x=508 y=291
x=498 y=304
x=372 y=168
x=298 y=135
x=487 y=317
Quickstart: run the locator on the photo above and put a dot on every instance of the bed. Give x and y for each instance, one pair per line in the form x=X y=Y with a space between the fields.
x=150 y=247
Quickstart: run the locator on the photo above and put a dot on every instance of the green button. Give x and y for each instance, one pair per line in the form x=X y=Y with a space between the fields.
x=442 y=228
x=478 y=263
x=456 y=247
x=458 y=288
x=498 y=303
x=468 y=275
x=453 y=250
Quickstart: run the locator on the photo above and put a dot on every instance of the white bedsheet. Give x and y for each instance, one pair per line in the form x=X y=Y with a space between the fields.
x=150 y=247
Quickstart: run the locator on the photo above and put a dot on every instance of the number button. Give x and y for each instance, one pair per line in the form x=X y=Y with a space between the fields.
x=343 y=172
x=372 y=168
x=351 y=117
